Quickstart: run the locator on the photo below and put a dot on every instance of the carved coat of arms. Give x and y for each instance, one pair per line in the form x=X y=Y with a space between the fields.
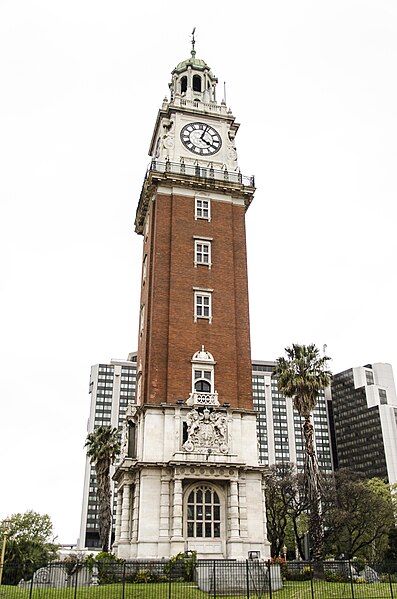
x=206 y=429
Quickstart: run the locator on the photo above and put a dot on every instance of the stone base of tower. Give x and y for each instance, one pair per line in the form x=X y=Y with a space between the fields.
x=204 y=501
x=230 y=497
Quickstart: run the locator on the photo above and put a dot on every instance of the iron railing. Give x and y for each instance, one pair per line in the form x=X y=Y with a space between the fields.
x=169 y=579
x=205 y=172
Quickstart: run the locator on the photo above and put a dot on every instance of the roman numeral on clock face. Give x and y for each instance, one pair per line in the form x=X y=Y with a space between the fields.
x=201 y=138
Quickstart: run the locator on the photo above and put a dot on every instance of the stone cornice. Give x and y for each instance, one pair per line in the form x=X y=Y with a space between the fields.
x=127 y=470
x=170 y=178
x=184 y=407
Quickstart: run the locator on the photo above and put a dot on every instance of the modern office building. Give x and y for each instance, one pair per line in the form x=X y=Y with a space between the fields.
x=364 y=405
x=279 y=427
x=112 y=388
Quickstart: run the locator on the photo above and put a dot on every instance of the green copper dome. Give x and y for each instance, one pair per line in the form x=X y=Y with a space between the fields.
x=195 y=63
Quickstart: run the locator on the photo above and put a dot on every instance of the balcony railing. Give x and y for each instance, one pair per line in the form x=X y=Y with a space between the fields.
x=203 y=399
x=204 y=172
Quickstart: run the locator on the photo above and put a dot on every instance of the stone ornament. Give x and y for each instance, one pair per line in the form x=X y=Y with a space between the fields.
x=206 y=430
x=131 y=414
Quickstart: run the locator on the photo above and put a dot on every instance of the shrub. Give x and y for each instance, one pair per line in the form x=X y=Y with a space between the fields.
x=298 y=574
x=359 y=563
x=73 y=563
x=110 y=568
x=144 y=576
x=181 y=567
x=332 y=576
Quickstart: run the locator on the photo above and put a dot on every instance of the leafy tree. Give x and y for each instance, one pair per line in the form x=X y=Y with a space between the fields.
x=277 y=493
x=280 y=492
x=391 y=554
x=298 y=515
x=30 y=545
x=103 y=447
x=301 y=376
x=359 y=515
x=286 y=508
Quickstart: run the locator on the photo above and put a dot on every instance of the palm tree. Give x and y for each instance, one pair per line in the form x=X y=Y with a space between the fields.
x=301 y=376
x=103 y=447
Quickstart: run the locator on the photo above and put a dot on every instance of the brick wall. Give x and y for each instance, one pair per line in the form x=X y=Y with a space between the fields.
x=171 y=336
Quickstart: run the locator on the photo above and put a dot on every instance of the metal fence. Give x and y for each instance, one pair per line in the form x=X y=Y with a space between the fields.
x=196 y=170
x=185 y=579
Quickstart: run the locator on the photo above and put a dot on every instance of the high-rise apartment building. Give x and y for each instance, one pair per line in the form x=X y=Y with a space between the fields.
x=279 y=426
x=364 y=405
x=112 y=388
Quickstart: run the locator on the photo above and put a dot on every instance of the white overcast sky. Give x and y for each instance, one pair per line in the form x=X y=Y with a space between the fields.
x=313 y=84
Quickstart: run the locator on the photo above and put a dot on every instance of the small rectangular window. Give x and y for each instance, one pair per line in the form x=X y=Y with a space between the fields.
x=202 y=252
x=142 y=320
x=202 y=305
x=144 y=269
x=202 y=209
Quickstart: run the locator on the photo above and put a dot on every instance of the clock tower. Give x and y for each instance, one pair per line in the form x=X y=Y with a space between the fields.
x=189 y=478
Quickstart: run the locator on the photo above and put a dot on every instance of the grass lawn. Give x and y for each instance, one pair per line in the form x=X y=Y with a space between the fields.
x=185 y=590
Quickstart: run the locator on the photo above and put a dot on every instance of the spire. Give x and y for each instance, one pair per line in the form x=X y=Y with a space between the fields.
x=193 y=51
x=192 y=78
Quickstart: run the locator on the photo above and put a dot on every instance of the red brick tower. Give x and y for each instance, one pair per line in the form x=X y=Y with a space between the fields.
x=189 y=477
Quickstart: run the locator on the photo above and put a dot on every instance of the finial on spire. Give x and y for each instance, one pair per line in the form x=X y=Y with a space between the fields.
x=193 y=42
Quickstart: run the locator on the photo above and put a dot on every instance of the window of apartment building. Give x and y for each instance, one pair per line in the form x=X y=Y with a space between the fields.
x=369 y=375
x=202 y=304
x=202 y=209
x=382 y=396
x=202 y=252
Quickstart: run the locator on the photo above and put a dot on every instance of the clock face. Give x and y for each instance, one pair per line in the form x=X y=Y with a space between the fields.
x=201 y=139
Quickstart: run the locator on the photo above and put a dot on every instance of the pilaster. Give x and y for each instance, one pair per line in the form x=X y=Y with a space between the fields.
x=125 y=514
x=135 y=510
x=234 y=529
x=165 y=507
x=118 y=516
x=177 y=511
x=242 y=490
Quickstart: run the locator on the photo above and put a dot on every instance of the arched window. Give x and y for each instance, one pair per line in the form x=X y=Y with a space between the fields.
x=203 y=372
x=203 y=515
x=183 y=84
x=196 y=83
x=202 y=382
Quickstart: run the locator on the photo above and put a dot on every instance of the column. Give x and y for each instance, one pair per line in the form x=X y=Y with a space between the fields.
x=264 y=508
x=233 y=510
x=125 y=514
x=177 y=510
x=164 y=508
x=135 y=511
x=242 y=491
x=118 y=516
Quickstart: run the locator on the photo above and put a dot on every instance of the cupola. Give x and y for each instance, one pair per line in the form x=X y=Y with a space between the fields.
x=193 y=79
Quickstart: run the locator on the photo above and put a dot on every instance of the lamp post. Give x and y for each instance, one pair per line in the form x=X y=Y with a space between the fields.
x=6 y=524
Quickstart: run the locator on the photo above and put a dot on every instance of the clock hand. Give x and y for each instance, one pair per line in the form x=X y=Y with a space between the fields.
x=202 y=135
